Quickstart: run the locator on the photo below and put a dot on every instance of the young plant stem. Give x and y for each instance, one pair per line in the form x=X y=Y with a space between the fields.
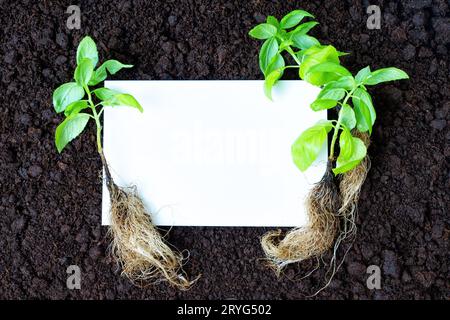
x=338 y=126
x=339 y=121
x=292 y=53
x=99 y=132
x=96 y=116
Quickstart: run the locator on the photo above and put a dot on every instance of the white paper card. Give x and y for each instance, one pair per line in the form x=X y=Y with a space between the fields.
x=213 y=153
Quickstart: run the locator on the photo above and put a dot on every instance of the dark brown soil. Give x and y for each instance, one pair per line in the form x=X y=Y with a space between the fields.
x=50 y=203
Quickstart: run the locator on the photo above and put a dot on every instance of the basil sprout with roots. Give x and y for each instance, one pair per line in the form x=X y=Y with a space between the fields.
x=332 y=203
x=137 y=245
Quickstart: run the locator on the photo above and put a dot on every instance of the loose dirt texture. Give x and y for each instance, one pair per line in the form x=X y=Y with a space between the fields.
x=50 y=204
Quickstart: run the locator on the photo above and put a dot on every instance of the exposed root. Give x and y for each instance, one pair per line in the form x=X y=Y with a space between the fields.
x=349 y=187
x=312 y=240
x=332 y=215
x=137 y=245
x=351 y=183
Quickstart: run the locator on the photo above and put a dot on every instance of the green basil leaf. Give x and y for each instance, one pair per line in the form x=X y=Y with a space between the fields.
x=273 y=21
x=325 y=72
x=83 y=72
x=346 y=163
x=293 y=18
x=105 y=94
x=327 y=98
x=316 y=55
x=268 y=50
x=307 y=147
x=331 y=93
x=304 y=41
x=330 y=67
x=363 y=74
x=364 y=110
x=75 y=107
x=124 y=99
x=270 y=81
x=384 y=75
x=69 y=129
x=323 y=104
x=114 y=98
x=66 y=94
x=113 y=66
x=276 y=63
x=363 y=118
x=87 y=49
x=263 y=31
x=345 y=144
x=344 y=82
x=98 y=76
x=348 y=117
x=304 y=28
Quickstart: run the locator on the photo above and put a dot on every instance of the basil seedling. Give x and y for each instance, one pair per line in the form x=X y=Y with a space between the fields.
x=136 y=243
x=76 y=97
x=320 y=65
x=331 y=209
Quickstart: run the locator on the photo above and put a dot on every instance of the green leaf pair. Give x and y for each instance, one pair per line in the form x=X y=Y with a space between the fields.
x=87 y=50
x=270 y=28
x=114 y=98
x=364 y=110
x=293 y=18
x=320 y=65
x=278 y=39
x=68 y=97
x=112 y=66
x=307 y=147
x=269 y=58
x=84 y=72
x=352 y=151
x=67 y=94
